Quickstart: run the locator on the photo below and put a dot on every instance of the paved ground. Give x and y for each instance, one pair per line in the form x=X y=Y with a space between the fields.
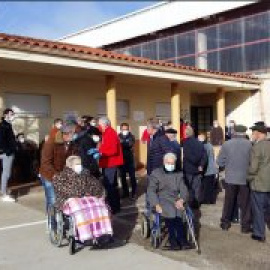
x=25 y=245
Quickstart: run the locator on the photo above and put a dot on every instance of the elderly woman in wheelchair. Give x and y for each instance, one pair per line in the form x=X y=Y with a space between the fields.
x=79 y=213
x=167 y=194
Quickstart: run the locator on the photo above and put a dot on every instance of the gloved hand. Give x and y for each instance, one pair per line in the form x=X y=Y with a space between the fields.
x=97 y=155
x=92 y=151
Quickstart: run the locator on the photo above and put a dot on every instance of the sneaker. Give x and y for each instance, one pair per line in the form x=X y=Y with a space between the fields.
x=7 y=198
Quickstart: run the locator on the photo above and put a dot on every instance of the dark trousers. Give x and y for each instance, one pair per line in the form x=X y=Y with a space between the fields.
x=193 y=183
x=110 y=184
x=260 y=203
x=240 y=195
x=175 y=230
x=208 y=189
x=129 y=168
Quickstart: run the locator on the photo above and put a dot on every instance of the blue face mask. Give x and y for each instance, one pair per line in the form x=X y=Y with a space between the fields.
x=169 y=167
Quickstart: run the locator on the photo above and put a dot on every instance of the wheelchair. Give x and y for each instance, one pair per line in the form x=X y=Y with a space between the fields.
x=153 y=227
x=61 y=227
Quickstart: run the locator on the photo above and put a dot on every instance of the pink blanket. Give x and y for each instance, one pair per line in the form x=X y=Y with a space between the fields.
x=91 y=215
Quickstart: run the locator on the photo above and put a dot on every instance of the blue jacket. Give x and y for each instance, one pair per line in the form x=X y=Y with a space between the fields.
x=194 y=156
x=158 y=146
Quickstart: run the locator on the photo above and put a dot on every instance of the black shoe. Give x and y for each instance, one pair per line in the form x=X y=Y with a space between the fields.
x=225 y=227
x=258 y=238
x=171 y=247
x=125 y=195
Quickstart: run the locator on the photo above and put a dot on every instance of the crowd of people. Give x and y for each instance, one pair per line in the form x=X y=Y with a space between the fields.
x=84 y=156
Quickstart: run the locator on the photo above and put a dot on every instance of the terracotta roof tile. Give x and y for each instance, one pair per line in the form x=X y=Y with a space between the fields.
x=42 y=43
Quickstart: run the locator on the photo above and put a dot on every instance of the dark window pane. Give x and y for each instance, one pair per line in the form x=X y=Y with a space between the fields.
x=231 y=60
x=212 y=61
x=187 y=61
x=149 y=50
x=186 y=44
x=230 y=33
x=257 y=27
x=166 y=48
x=257 y=56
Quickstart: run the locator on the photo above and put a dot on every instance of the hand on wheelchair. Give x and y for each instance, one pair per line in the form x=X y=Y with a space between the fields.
x=179 y=204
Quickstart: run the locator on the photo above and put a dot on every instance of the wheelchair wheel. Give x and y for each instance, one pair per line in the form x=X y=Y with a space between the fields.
x=156 y=239
x=56 y=226
x=145 y=227
x=72 y=245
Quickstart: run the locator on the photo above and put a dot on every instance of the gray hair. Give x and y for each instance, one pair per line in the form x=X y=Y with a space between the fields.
x=105 y=121
x=169 y=156
x=71 y=160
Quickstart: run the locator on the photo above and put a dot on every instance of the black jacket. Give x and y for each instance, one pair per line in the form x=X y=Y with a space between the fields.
x=157 y=148
x=127 y=143
x=7 y=139
x=194 y=156
x=85 y=143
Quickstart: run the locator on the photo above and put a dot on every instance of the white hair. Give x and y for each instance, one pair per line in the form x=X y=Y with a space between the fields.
x=71 y=161
x=105 y=121
x=169 y=156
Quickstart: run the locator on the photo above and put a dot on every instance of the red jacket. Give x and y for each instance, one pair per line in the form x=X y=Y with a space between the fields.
x=183 y=131
x=145 y=136
x=110 y=149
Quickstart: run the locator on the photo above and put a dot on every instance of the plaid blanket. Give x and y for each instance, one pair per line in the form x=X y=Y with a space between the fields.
x=91 y=216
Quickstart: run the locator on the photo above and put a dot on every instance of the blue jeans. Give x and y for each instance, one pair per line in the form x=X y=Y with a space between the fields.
x=49 y=192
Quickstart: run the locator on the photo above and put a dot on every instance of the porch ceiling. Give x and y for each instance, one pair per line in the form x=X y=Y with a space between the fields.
x=79 y=69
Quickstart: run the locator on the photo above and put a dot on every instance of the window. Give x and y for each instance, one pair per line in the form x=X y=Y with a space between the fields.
x=257 y=27
x=185 y=44
x=149 y=50
x=166 y=48
x=187 y=61
x=122 y=109
x=230 y=33
x=163 y=111
x=209 y=37
x=28 y=105
x=231 y=60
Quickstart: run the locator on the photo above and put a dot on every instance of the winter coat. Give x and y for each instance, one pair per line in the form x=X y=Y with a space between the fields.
x=7 y=139
x=85 y=143
x=211 y=168
x=194 y=156
x=259 y=170
x=110 y=149
x=217 y=136
x=54 y=154
x=234 y=157
x=157 y=148
x=68 y=184
x=165 y=189
x=128 y=143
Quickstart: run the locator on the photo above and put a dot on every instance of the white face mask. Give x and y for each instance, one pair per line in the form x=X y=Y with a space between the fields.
x=93 y=124
x=58 y=126
x=125 y=132
x=96 y=138
x=78 y=168
x=21 y=140
x=169 y=167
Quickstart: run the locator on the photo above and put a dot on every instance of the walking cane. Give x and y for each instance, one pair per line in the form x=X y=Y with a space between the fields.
x=191 y=231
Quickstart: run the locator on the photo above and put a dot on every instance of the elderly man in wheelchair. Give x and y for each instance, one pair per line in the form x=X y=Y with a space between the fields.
x=167 y=195
x=79 y=214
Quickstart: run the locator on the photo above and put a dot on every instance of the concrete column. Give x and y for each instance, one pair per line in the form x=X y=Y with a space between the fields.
x=221 y=113
x=175 y=108
x=111 y=100
x=202 y=47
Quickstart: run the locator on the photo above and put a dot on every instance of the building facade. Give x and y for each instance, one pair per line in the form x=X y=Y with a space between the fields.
x=225 y=36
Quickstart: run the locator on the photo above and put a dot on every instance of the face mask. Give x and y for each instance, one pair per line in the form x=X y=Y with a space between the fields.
x=169 y=167
x=93 y=124
x=78 y=169
x=125 y=132
x=58 y=126
x=21 y=140
x=96 y=138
